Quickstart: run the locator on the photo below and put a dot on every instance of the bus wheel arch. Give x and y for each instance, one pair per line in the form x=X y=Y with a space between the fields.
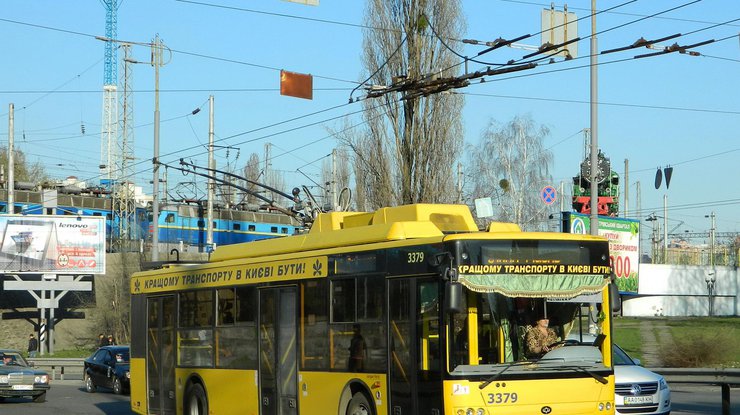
x=356 y=399
x=195 y=399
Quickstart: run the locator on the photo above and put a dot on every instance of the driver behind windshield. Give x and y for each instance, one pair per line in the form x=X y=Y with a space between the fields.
x=7 y=359
x=540 y=338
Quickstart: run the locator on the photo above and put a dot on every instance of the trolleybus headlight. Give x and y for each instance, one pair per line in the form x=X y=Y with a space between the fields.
x=480 y=411
x=601 y=406
x=608 y=406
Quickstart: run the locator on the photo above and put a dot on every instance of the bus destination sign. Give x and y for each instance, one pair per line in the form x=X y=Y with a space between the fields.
x=232 y=275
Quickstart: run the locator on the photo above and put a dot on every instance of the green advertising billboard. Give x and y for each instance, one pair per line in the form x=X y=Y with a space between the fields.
x=624 y=244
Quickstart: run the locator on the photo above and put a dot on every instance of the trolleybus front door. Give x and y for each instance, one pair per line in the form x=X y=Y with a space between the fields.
x=160 y=371
x=415 y=366
x=278 y=360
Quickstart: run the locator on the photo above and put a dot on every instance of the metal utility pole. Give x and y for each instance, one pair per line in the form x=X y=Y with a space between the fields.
x=594 y=126
x=11 y=160
x=626 y=188
x=123 y=198
x=211 y=183
x=156 y=62
x=712 y=277
x=665 y=228
x=334 y=179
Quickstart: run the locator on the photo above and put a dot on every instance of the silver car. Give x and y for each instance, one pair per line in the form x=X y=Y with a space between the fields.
x=638 y=390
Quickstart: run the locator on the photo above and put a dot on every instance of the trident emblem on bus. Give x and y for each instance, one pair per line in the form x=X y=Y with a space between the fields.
x=317 y=268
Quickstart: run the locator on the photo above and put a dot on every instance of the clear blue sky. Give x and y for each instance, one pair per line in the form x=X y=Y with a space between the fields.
x=673 y=109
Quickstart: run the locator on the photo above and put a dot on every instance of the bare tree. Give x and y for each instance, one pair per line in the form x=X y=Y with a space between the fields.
x=24 y=171
x=252 y=172
x=112 y=315
x=342 y=174
x=407 y=151
x=511 y=165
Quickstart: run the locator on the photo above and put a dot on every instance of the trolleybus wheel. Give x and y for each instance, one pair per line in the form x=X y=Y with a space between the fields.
x=196 y=402
x=359 y=405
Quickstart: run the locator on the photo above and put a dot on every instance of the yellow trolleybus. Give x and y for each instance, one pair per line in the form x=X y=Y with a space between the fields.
x=408 y=310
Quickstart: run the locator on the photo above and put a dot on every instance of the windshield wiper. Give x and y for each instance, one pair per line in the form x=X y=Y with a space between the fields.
x=584 y=370
x=496 y=376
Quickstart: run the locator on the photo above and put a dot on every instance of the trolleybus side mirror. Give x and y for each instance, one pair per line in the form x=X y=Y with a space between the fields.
x=453 y=297
x=614 y=299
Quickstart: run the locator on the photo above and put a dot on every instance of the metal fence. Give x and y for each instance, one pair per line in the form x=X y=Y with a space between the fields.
x=59 y=368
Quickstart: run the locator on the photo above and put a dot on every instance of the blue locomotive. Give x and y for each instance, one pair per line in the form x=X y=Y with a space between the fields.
x=182 y=223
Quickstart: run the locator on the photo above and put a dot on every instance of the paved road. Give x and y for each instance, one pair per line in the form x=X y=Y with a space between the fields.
x=699 y=399
x=69 y=397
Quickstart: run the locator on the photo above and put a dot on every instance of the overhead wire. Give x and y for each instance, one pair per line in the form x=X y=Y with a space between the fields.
x=615 y=13
x=213 y=58
x=605 y=103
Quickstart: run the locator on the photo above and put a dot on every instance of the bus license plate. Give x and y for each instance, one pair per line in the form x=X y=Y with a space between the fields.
x=634 y=400
x=22 y=387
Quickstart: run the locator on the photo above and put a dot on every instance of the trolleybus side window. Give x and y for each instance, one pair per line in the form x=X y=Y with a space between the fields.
x=356 y=311
x=236 y=337
x=195 y=337
x=314 y=326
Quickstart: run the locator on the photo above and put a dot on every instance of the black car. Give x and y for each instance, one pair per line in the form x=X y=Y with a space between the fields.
x=108 y=367
x=19 y=379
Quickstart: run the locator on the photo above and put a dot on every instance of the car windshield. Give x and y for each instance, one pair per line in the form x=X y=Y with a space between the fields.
x=621 y=357
x=501 y=328
x=122 y=356
x=13 y=359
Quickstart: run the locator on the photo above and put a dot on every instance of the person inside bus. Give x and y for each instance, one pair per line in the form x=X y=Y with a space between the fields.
x=357 y=350
x=540 y=338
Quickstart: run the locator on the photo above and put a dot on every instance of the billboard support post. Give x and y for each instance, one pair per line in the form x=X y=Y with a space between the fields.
x=57 y=288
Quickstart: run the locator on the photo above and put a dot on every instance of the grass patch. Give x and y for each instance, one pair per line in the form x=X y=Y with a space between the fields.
x=72 y=353
x=693 y=341
x=705 y=350
x=629 y=339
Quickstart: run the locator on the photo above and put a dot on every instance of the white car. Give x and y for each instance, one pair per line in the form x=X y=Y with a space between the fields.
x=638 y=390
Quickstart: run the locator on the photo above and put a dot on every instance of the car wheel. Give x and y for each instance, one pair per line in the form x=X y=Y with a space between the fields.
x=89 y=385
x=359 y=405
x=196 y=402
x=117 y=387
x=41 y=398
